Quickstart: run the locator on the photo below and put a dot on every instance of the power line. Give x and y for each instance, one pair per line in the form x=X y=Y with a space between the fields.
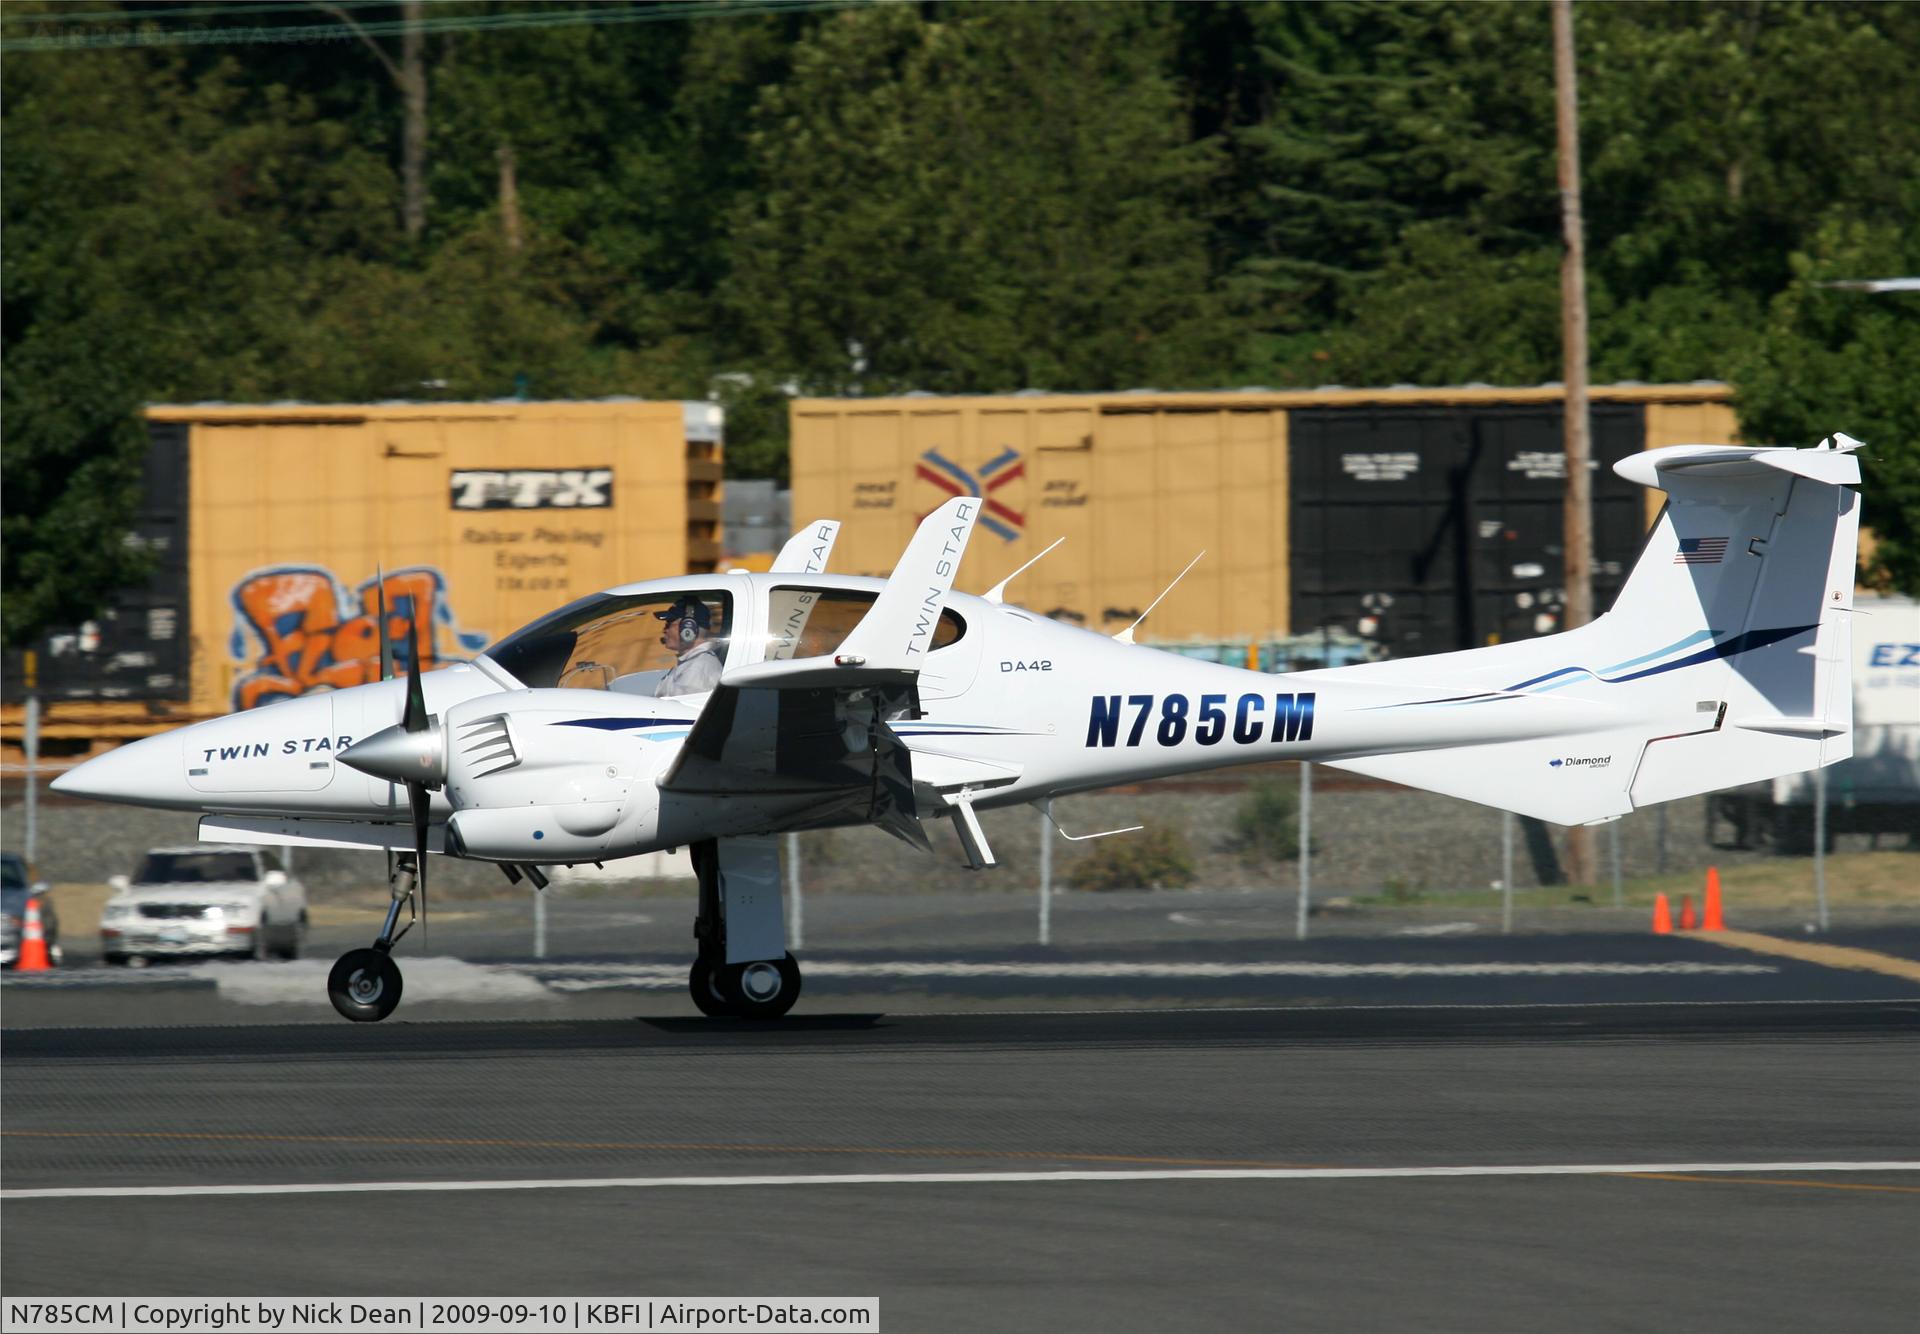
x=203 y=11
x=305 y=33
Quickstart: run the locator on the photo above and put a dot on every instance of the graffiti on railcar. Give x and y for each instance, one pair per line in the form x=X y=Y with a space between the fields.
x=298 y=628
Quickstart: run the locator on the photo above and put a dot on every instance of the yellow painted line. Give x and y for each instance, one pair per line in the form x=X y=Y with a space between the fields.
x=1772 y=1181
x=422 y=1141
x=1807 y=951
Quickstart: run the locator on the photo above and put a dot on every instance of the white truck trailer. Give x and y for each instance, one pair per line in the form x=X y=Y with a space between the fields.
x=1878 y=790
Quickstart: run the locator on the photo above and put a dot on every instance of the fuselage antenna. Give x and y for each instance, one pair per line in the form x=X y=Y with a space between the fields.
x=1126 y=635
x=998 y=593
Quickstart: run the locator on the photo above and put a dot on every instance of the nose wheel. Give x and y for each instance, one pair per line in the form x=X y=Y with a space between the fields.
x=763 y=989
x=364 y=985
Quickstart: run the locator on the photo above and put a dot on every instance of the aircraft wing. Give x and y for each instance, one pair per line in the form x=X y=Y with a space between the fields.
x=819 y=727
x=829 y=747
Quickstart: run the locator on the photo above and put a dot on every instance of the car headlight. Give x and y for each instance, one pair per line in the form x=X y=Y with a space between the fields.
x=115 y=910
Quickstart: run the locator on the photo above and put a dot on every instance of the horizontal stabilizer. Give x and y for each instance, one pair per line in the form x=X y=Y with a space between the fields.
x=1835 y=467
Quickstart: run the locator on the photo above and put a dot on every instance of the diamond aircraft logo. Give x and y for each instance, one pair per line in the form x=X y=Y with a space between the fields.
x=1582 y=762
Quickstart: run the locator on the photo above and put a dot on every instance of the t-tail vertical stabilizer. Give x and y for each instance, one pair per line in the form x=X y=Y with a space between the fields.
x=1725 y=660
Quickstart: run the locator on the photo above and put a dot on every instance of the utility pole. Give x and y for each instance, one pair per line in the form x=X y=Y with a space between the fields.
x=409 y=76
x=31 y=847
x=509 y=197
x=413 y=138
x=1578 y=542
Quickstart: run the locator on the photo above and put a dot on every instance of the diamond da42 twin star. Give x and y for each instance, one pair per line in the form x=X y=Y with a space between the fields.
x=715 y=712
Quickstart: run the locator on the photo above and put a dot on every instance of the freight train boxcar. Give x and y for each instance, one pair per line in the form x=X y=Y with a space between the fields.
x=1421 y=519
x=271 y=525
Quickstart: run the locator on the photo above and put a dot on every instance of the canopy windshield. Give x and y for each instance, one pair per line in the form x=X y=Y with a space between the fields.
x=608 y=641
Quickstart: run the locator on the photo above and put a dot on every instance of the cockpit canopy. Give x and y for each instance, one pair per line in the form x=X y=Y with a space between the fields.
x=608 y=641
x=614 y=641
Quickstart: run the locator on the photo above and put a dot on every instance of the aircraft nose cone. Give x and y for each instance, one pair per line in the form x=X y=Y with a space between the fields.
x=400 y=756
x=147 y=772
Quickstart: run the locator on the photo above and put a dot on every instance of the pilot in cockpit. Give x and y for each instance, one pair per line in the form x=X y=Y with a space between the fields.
x=688 y=635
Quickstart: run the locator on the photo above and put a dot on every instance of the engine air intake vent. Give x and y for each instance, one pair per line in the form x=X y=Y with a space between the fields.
x=486 y=746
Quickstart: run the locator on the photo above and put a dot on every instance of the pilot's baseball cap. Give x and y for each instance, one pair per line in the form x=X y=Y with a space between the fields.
x=685 y=607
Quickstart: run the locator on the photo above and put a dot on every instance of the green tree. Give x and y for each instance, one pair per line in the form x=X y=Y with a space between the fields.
x=146 y=238
x=993 y=200
x=1839 y=359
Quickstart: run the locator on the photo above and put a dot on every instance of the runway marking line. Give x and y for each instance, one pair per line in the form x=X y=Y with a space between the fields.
x=1807 y=951
x=963 y=1179
x=1772 y=1181
x=425 y=1141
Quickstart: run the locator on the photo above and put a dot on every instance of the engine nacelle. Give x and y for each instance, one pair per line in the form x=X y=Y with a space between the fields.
x=557 y=775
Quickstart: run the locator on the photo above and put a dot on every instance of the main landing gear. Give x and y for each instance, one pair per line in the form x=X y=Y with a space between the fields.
x=743 y=969
x=763 y=989
x=365 y=985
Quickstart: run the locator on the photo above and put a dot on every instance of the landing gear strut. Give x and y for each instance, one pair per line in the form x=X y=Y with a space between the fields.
x=740 y=914
x=365 y=984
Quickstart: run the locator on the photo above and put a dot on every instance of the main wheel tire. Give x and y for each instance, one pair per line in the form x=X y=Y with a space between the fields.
x=761 y=990
x=364 y=985
x=703 y=986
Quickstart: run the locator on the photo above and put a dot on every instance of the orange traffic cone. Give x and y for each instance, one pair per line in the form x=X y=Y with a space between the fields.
x=33 y=942
x=1687 y=920
x=1710 y=920
x=1662 y=916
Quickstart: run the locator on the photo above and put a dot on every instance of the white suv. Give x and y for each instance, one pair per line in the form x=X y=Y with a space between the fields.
x=203 y=901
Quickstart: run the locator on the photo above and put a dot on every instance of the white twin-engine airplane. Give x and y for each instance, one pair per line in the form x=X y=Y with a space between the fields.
x=716 y=711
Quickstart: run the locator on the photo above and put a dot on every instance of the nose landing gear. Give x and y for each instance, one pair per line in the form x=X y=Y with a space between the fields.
x=365 y=984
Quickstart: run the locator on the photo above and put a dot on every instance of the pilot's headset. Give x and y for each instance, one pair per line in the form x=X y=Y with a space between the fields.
x=690 y=617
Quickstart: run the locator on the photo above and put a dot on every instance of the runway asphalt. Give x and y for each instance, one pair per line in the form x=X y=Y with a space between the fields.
x=1675 y=1134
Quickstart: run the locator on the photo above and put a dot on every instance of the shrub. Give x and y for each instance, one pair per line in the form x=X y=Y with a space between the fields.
x=1267 y=825
x=1158 y=859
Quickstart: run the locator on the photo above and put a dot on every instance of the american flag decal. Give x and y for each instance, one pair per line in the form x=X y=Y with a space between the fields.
x=1701 y=551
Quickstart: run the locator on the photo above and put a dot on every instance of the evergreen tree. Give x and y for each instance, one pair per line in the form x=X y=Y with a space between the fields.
x=989 y=201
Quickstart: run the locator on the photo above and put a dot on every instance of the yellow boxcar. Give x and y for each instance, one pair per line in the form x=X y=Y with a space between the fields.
x=271 y=525
x=1140 y=482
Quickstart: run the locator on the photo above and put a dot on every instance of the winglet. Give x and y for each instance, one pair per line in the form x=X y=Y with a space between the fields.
x=898 y=631
x=807 y=550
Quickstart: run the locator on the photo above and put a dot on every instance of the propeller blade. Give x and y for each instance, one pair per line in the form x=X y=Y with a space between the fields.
x=415 y=718
x=418 y=799
x=386 y=643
